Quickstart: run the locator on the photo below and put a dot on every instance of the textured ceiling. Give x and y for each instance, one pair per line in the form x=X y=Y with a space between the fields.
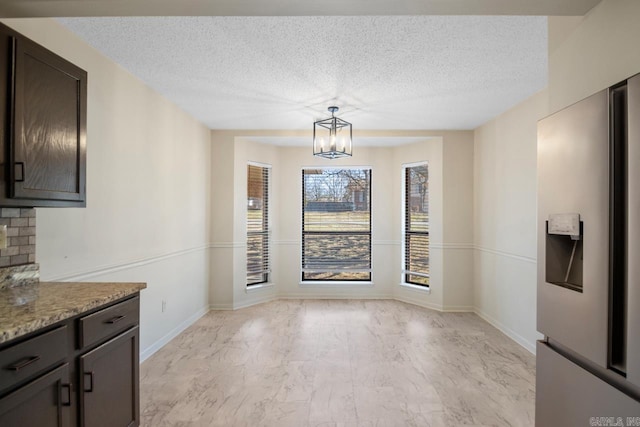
x=384 y=72
x=26 y=8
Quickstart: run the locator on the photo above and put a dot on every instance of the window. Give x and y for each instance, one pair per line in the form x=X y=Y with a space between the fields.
x=416 y=225
x=257 y=224
x=336 y=224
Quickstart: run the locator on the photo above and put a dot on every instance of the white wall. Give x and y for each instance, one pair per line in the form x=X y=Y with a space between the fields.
x=148 y=192
x=154 y=182
x=222 y=218
x=599 y=50
x=457 y=240
x=430 y=151
x=450 y=159
x=229 y=156
x=505 y=220
x=586 y=54
x=245 y=152
x=229 y=246
x=293 y=159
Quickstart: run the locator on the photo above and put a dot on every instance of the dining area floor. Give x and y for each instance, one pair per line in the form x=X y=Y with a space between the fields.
x=338 y=363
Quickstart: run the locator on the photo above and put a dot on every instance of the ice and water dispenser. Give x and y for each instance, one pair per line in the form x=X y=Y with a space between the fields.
x=564 y=243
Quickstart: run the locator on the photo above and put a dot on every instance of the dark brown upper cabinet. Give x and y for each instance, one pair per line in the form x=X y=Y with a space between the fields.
x=44 y=105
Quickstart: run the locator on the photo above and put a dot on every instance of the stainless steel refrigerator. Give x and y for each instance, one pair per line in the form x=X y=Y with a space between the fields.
x=588 y=307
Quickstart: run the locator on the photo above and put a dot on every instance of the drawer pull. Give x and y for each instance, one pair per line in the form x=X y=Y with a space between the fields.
x=115 y=319
x=68 y=396
x=23 y=363
x=90 y=389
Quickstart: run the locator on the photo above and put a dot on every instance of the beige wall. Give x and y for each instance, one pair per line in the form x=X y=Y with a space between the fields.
x=595 y=53
x=148 y=179
x=586 y=54
x=222 y=219
x=228 y=287
x=151 y=170
x=245 y=152
x=458 y=224
x=430 y=151
x=292 y=160
x=504 y=281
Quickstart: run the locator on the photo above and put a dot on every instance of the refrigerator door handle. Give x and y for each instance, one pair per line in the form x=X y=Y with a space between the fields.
x=618 y=228
x=633 y=233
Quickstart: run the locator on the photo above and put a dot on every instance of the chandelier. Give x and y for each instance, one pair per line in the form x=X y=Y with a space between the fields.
x=332 y=137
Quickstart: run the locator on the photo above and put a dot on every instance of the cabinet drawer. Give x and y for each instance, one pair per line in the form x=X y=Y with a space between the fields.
x=30 y=357
x=108 y=322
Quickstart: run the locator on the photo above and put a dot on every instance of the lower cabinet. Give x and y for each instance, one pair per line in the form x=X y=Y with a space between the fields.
x=109 y=383
x=44 y=402
x=83 y=372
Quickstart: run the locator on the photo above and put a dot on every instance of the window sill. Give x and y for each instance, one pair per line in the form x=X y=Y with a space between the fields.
x=418 y=288
x=334 y=284
x=253 y=288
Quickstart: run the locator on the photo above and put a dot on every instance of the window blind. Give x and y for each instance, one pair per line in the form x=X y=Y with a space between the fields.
x=336 y=224
x=258 y=236
x=416 y=225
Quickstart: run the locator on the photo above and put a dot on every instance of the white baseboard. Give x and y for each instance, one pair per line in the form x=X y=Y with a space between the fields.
x=458 y=309
x=437 y=307
x=331 y=296
x=231 y=307
x=528 y=345
x=147 y=352
x=419 y=303
x=255 y=301
x=220 y=307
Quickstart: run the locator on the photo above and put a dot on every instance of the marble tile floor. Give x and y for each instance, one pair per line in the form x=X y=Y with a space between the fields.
x=338 y=363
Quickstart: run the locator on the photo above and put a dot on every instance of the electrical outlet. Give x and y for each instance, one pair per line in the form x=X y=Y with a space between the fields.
x=164 y=306
x=3 y=237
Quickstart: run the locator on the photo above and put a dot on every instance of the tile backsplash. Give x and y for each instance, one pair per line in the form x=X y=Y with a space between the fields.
x=21 y=236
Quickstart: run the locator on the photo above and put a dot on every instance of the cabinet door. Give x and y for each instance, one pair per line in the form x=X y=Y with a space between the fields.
x=44 y=402
x=109 y=383
x=49 y=126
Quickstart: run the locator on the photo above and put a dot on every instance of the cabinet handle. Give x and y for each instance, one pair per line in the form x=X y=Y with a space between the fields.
x=90 y=374
x=21 y=179
x=115 y=319
x=23 y=363
x=68 y=387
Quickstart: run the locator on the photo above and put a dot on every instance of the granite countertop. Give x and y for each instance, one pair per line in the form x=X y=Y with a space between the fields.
x=27 y=308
